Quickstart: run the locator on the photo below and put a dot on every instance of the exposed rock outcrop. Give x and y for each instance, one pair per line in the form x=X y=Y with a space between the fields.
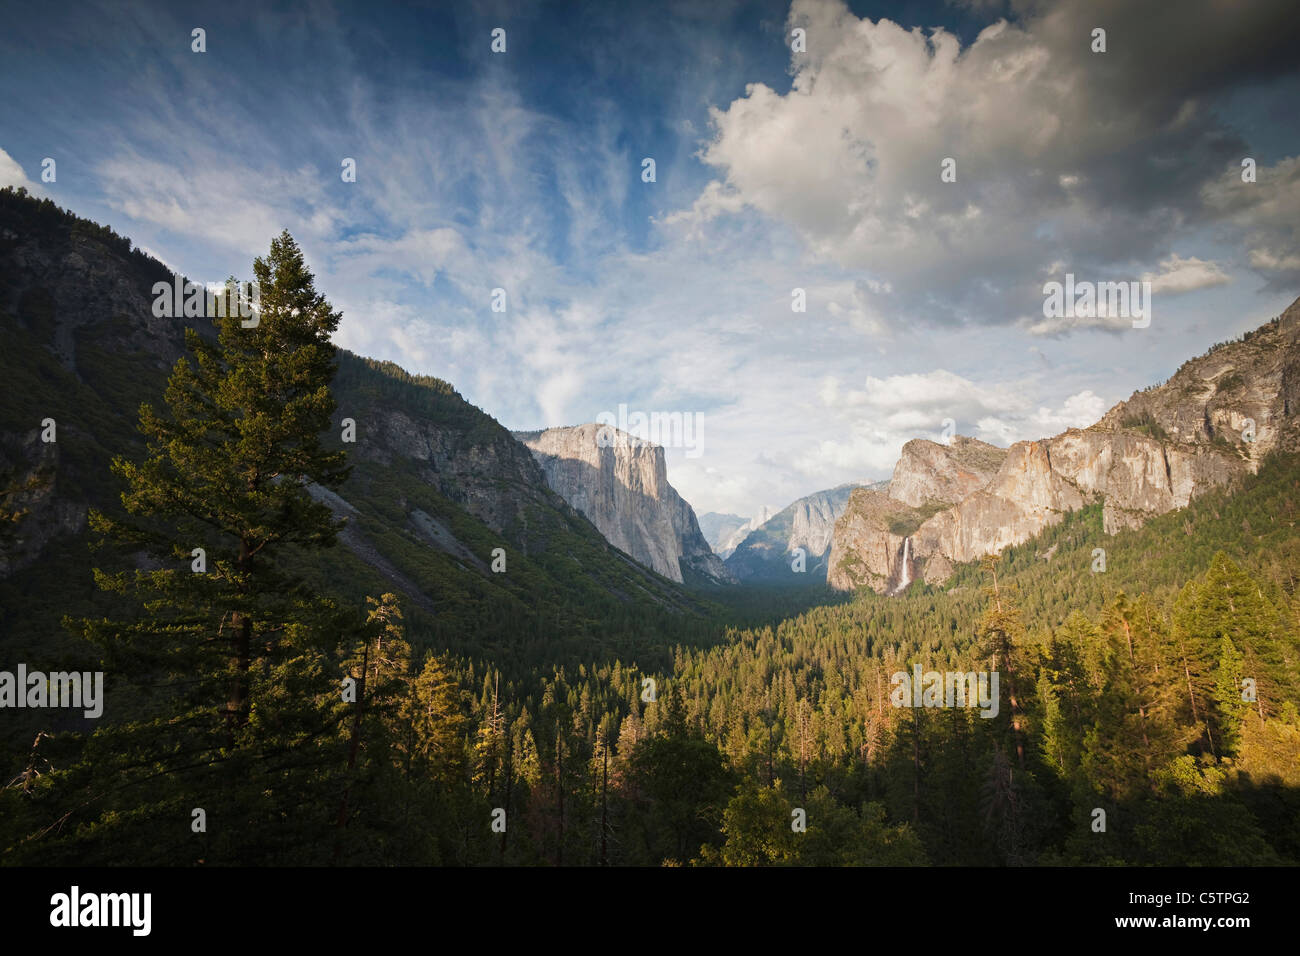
x=32 y=514
x=768 y=551
x=867 y=548
x=733 y=540
x=487 y=474
x=1138 y=476
x=1212 y=422
x=930 y=472
x=621 y=486
x=1025 y=496
x=718 y=528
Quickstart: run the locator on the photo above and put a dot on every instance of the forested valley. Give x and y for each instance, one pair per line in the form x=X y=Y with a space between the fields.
x=280 y=705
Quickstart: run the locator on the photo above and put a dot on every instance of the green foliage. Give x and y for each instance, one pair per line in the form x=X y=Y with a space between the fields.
x=759 y=826
x=229 y=662
x=1145 y=423
x=1227 y=383
x=523 y=696
x=906 y=525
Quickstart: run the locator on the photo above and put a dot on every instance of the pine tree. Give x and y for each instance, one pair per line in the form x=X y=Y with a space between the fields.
x=232 y=659
x=1229 y=701
x=380 y=665
x=1001 y=632
x=1067 y=694
x=434 y=710
x=1224 y=603
x=489 y=748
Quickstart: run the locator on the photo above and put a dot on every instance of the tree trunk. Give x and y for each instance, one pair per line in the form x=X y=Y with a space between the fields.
x=1142 y=711
x=1191 y=693
x=916 y=768
x=241 y=651
x=604 y=805
x=559 y=793
x=354 y=745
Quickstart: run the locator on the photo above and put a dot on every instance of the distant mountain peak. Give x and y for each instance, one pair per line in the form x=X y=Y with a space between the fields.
x=766 y=548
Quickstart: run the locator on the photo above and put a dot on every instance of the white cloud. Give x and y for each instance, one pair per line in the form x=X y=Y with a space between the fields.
x=231 y=204
x=851 y=155
x=712 y=202
x=850 y=158
x=1060 y=325
x=1078 y=411
x=929 y=392
x=11 y=173
x=1179 y=275
x=879 y=418
x=882 y=416
x=423 y=254
x=867 y=309
x=1266 y=260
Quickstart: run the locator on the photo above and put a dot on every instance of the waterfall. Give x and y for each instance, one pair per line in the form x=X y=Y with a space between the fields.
x=906 y=577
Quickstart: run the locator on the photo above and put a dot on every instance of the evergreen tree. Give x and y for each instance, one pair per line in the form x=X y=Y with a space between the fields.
x=232 y=661
x=1001 y=632
x=682 y=783
x=379 y=667
x=1214 y=617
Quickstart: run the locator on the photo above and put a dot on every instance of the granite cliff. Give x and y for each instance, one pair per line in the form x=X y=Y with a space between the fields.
x=1213 y=421
x=718 y=528
x=621 y=486
x=767 y=552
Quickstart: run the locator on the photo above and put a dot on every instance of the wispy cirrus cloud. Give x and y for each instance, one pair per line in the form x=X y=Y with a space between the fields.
x=775 y=173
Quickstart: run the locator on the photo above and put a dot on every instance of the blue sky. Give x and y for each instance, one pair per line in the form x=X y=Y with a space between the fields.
x=775 y=170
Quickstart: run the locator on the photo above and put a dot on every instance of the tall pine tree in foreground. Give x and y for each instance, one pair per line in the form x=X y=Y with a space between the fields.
x=224 y=684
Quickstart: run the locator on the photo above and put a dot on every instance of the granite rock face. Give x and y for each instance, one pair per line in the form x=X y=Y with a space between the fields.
x=867 y=547
x=928 y=471
x=62 y=296
x=31 y=503
x=1024 y=497
x=1212 y=422
x=718 y=529
x=737 y=536
x=621 y=485
x=1139 y=476
x=487 y=474
x=769 y=551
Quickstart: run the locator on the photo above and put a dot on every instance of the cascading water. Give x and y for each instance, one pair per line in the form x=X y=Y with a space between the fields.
x=905 y=578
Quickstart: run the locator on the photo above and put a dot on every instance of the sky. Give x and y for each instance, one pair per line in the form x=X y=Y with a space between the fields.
x=776 y=169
